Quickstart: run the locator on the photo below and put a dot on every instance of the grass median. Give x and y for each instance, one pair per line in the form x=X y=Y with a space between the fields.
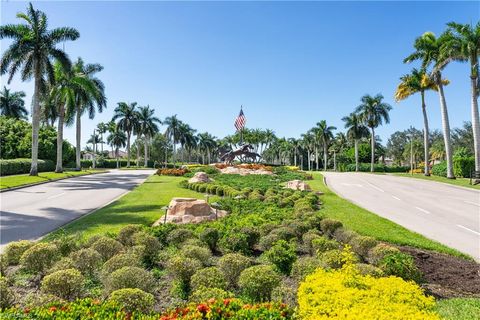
x=461 y=182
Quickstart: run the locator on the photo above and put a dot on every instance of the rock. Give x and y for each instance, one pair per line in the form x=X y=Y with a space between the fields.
x=199 y=177
x=298 y=185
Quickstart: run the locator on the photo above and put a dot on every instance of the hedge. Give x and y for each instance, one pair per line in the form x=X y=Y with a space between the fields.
x=462 y=167
x=19 y=166
x=365 y=167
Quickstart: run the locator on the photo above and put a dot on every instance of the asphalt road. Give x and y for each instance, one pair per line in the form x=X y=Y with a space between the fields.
x=448 y=214
x=32 y=212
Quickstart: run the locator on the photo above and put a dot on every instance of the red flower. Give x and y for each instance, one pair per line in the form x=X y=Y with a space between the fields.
x=52 y=309
x=203 y=308
x=226 y=302
x=26 y=310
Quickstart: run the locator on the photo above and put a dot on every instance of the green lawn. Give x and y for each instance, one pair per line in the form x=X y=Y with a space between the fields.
x=141 y=206
x=370 y=224
x=459 y=308
x=462 y=182
x=24 y=179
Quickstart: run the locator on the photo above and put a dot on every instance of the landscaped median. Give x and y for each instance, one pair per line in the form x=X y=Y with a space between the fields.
x=460 y=182
x=23 y=180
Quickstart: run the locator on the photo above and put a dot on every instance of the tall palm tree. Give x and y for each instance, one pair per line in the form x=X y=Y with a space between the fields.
x=101 y=129
x=12 y=104
x=373 y=112
x=418 y=81
x=464 y=45
x=127 y=117
x=172 y=132
x=31 y=53
x=94 y=140
x=89 y=102
x=326 y=133
x=147 y=126
x=117 y=139
x=356 y=130
x=428 y=50
x=206 y=144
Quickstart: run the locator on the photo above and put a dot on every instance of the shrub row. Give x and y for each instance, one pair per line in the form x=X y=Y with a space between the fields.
x=462 y=167
x=19 y=166
x=365 y=167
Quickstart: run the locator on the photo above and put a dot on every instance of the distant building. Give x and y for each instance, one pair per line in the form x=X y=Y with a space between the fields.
x=87 y=156
x=121 y=154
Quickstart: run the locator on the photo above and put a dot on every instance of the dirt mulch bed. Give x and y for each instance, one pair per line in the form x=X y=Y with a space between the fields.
x=447 y=276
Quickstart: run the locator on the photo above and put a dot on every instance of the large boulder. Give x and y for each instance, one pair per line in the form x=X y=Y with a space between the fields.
x=298 y=185
x=190 y=210
x=199 y=177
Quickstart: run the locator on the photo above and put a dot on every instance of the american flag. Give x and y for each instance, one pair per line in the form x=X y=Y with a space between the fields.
x=240 y=120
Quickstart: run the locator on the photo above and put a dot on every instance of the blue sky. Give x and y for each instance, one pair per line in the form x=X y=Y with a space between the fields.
x=289 y=64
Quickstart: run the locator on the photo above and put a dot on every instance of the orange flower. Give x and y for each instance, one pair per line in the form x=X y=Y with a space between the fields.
x=226 y=302
x=96 y=301
x=52 y=309
x=211 y=301
x=203 y=308
x=26 y=310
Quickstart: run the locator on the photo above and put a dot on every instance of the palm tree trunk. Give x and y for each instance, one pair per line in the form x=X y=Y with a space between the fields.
x=295 y=157
x=356 y=155
x=35 y=120
x=116 y=156
x=445 y=126
x=138 y=154
x=61 y=116
x=475 y=120
x=334 y=160
x=316 y=158
x=425 y=136
x=373 y=150
x=78 y=137
x=145 y=148
x=128 y=149
x=325 y=157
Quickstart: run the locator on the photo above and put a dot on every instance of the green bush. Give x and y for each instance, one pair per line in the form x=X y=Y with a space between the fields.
x=255 y=195
x=252 y=233
x=20 y=166
x=282 y=255
x=86 y=260
x=107 y=247
x=183 y=268
x=401 y=265
x=368 y=269
x=463 y=166
x=440 y=169
x=232 y=265
x=307 y=240
x=281 y=233
x=299 y=227
x=133 y=299
x=39 y=257
x=67 y=243
x=195 y=252
x=303 y=206
x=362 y=244
x=210 y=236
x=322 y=244
x=257 y=282
x=119 y=261
x=235 y=242
x=328 y=226
x=7 y=297
x=3 y=264
x=210 y=277
x=377 y=253
x=332 y=259
x=177 y=236
x=62 y=264
x=130 y=277
x=66 y=284
x=14 y=250
x=344 y=235
x=304 y=266
x=151 y=244
x=126 y=233
x=204 y=294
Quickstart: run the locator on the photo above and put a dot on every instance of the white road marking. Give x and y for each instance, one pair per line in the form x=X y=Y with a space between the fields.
x=373 y=186
x=352 y=184
x=470 y=202
x=396 y=198
x=56 y=196
x=423 y=210
x=460 y=226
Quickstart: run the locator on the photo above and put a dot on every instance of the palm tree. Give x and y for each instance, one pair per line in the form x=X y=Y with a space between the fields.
x=31 y=53
x=117 y=139
x=101 y=129
x=128 y=121
x=339 y=144
x=356 y=130
x=418 y=81
x=463 y=44
x=147 y=125
x=89 y=102
x=428 y=50
x=172 y=133
x=206 y=144
x=326 y=134
x=12 y=104
x=94 y=140
x=373 y=112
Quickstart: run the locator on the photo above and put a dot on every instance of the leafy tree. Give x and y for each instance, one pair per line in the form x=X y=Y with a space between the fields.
x=12 y=104
x=128 y=121
x=356 y=130
x=32 y=51
x=117 y=139
x=462 y=138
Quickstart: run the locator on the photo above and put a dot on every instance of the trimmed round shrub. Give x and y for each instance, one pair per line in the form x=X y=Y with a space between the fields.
x=177 y=236
x=210 y=236
x=328 y=226
x=322 y=244
x=3 y=264
x=210 y=277
x=377 y=253
x=307 y=239
x=362 y=244
x=314 y=219
x=282 y=233
x=285 y=294
x=183 y=268
x=305 y=266
x=62 y=264
x=151 y=244
x=133 y=299
x=255 y=195
x=332 y=259
x=87 y=260
x=199 y=253
x=282 y=255
x=39 y=257
x=368 y=269
x=130 y=277
x=298 y=227
x=126 y=233
x=257 y=282
x=253 y=235
x=66 y=284
x=107 y=247
x=67 y=243
x=119 y=261
x=235 y=242
x=343 y=235
x=302 y=206
x=232 y=265
x=204 y=294
x=401 y=265
x=14 y=250
x=7 y=297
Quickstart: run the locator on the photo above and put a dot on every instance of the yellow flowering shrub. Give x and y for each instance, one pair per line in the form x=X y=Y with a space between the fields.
x=346 y=294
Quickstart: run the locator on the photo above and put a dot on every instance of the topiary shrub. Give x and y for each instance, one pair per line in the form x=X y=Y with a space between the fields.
x=328 y=226
x=177 y=236
x=39 y=257
x=232 y=265
x=235 y=242
x=7 y=297
x=130 y=277
x=368 y=269
x=126 y=233
x=119 y=261
x=285 y=294
x=14 y=250
x=282 y=255
x=195 y=252
x=322 y=244
x=3 y=264
x=343 y=235
x=299 y=227
x=151 y=244
x=304 y=266
x=183 y=268
x=133 y=299
x=307 y=239
x=282 y=233
x=302 y=206
x=362 y=244
x=210 y=277
x=256 y=283
x=255 y=195
x=107 y=247
x=401 y=265
x=377 y=253
x=87 y=260
x=210 y=236
x=331 y=259
x=204 y=294
x=62 y=264
x=66 y=284
x=253 y=235
x=67 y=243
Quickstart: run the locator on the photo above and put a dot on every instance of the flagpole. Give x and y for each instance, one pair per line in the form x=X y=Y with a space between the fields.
x=241 y=130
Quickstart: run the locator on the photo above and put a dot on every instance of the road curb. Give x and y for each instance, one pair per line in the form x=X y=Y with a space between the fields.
x=48 y=181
